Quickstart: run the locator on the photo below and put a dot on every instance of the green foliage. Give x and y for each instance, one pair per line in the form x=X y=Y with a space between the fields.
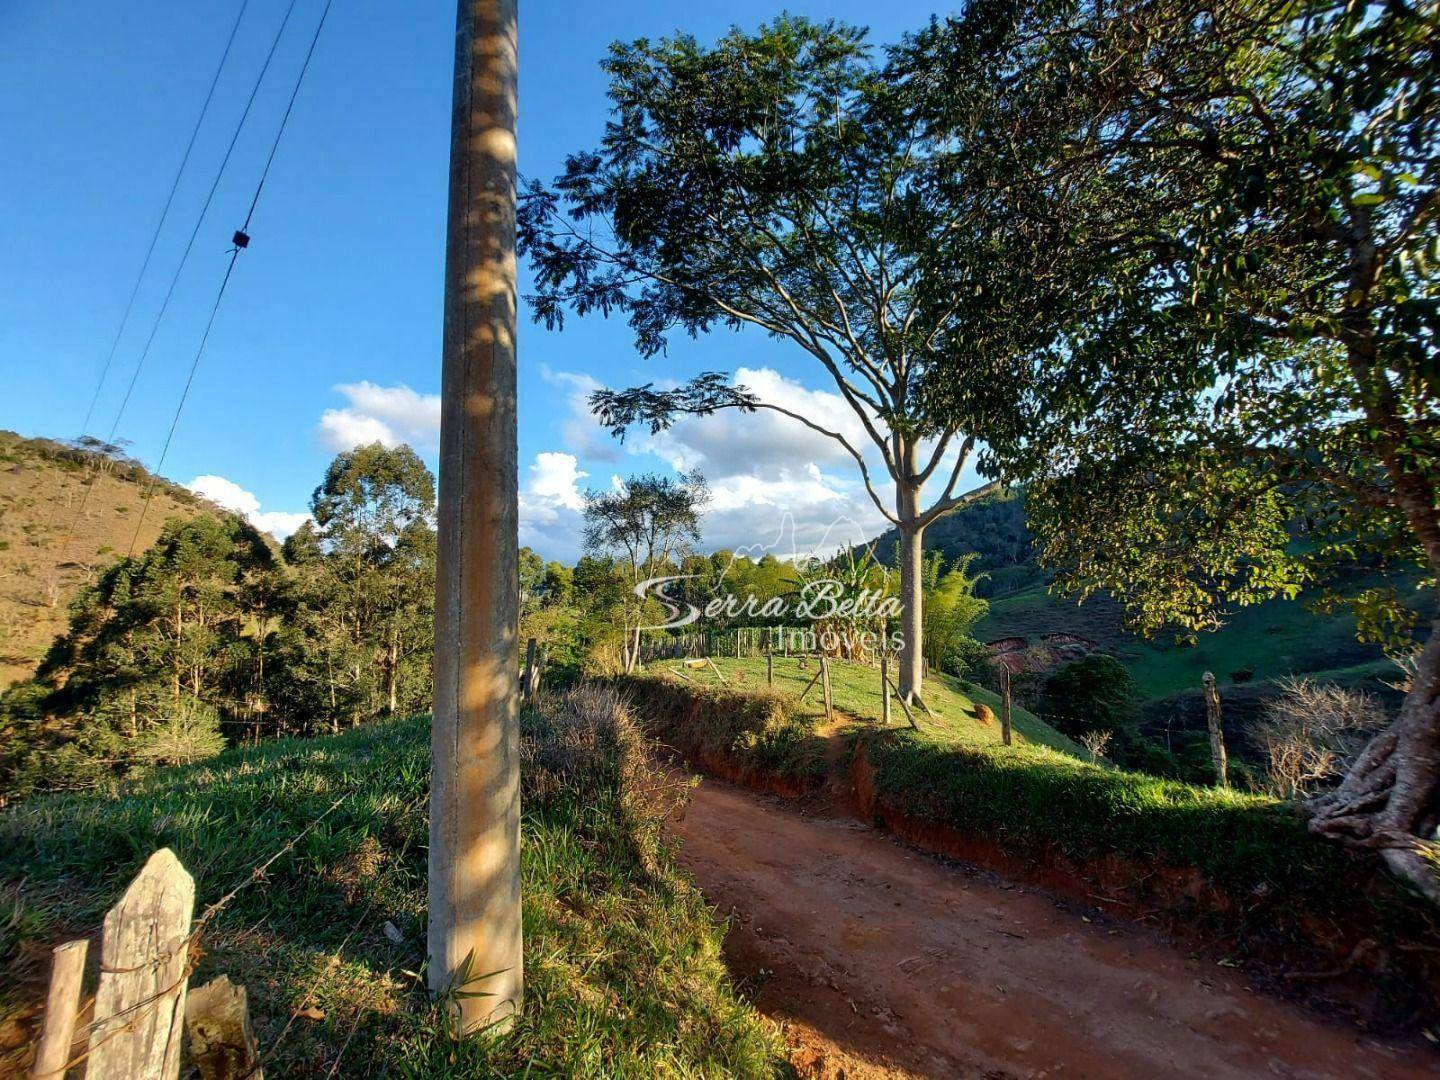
x=1094 y=693
x=951 y=611
x=1239 y=393
x=207 y=634
x=156 y=648
x=624 y=974
x=188 y=734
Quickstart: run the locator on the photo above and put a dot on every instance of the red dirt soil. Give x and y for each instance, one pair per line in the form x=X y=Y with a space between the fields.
x=883 y=962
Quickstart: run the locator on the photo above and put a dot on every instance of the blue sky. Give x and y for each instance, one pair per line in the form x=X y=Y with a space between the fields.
x=330 y=330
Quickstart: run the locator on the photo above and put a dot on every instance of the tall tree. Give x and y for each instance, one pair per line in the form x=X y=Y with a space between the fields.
x=790 y=181
x=369 y=566
x=649 y=522
x=1246 y=196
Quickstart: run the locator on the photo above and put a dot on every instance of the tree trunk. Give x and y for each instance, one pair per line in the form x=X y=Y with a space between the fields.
x=1390 y=798
x=911 y=660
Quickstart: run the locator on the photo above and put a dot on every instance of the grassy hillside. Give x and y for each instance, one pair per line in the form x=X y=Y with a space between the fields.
x=855 y=689
x=47 y=550
x=1267 y=641
x=623 y=968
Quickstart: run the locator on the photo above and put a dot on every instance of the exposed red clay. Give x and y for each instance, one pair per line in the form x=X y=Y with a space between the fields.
x=883 y=962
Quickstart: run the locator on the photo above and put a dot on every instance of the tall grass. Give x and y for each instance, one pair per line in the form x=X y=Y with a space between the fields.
x=623 y=965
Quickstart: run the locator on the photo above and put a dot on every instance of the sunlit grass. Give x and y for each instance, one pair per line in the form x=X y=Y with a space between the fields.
x=623 y=967
x=855 y=689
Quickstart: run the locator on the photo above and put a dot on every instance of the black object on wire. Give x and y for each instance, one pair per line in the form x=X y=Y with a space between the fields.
x=241 y=241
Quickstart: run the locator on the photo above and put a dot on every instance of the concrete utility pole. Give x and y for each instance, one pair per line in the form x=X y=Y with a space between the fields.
x=474 y=932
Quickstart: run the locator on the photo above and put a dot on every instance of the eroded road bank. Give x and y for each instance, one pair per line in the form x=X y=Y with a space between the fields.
x=884 y=962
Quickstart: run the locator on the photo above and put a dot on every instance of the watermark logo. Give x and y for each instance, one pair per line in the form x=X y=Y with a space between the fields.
x=817 y=600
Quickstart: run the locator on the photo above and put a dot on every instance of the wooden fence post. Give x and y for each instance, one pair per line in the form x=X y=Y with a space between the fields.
x=222 y=1043
x=529 y=668
x=718 y=673
x=1217 y=733
x=67 y=970
x=904 y=707
x=140 y=1005
x=885 y=686
x=1005 y=706
x=825 y=680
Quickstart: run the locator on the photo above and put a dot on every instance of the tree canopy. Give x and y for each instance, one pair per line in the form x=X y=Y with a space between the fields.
x=1241 y=396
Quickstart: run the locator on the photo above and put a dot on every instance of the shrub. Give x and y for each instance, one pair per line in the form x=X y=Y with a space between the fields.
x=1311 y=731
x=190 y=733
x=1092 y=693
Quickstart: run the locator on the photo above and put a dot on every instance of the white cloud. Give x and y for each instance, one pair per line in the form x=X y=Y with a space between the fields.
x=803 y=512
x=774 y=482
x=230 y=495
x=730 y=442
x=581 y=431
x=555 y=480
x=551 y=501
x=390 y=415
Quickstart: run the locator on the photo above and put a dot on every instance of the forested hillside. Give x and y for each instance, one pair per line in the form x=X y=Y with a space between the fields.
x=48 y=548
x=213 y=634
x=1259 y=643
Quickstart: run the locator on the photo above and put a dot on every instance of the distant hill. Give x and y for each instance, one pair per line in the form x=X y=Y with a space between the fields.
x=42 y=562
x=993 y=528
x=1264 y=642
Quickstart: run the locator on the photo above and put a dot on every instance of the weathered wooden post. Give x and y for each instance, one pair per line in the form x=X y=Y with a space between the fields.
x=1217 y=733
x=825 y=683
x=529 y=675
x=222 y=1043
x=885 y=686
x=474 y=917
x=67 y=971
x=144 y=965
x=1005 y=706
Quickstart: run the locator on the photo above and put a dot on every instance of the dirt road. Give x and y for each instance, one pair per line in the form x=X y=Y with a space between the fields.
x=883 y=962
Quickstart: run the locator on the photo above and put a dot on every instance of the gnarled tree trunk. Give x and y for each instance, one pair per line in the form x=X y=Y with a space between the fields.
x=1390 y=798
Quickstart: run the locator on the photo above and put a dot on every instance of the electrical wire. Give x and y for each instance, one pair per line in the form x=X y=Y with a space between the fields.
x=200 y=220
x=241 y=240
x=79 y=515
x=164 y=216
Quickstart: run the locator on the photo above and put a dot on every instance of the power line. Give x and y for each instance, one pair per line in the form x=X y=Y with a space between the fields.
x=200 y=220
x=180 y=267
x=164 y=215
x=242 y=240
x=289 y=108
x=144 y=268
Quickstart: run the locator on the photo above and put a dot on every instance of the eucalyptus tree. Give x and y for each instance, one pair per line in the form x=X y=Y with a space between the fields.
x=794 y=182
x=1245 y=398
x=647 y=523
x=369 y=571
